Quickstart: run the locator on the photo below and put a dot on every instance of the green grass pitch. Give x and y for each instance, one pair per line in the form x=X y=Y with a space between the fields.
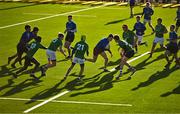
x=151 y=90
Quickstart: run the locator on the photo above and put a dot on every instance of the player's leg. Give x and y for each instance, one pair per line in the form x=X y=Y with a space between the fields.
x=103 y=54
x=150 y=25
x=11 y=58
x=69 y=70
x=156 y=40
x=177 y=60
x=122 y=62
x=167 y=54
x=33 y=60
x=95 y=55
x=136 y=45
x=67 y=46
x=82 y=70
x=177 y=25
x=26 y=64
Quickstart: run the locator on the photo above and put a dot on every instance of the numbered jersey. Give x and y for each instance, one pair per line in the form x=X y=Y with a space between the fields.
x=55 y=44
x=80 y=47
x=34 y=46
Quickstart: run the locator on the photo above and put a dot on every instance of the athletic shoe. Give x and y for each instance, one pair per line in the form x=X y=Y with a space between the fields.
x=118 y=77
x=167 y=66
x=106 y=70
x=43 y=71
x=133 y=70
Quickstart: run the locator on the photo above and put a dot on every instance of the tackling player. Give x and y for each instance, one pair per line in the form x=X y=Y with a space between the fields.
x=160 y=30
x=128 y=53
x=79 y=50
x=100 y=50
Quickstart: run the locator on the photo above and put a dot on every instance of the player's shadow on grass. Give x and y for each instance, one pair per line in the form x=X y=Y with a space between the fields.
x=121 y=20
x=21 y=87
x=174 y=91
x=5 y=71
x=102 y=84
x=155 y=77
x=15 y=7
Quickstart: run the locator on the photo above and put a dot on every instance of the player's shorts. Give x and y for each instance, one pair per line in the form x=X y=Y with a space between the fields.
x=78 y=60
x=29 y=60
x=147 y=21
x=51 y=55
x=129 y=54
x=172 y=47
x=21 y=49
x=139 y=38
x=97 y=51
x=158 y=40
x=178 y=22
x=70 y=37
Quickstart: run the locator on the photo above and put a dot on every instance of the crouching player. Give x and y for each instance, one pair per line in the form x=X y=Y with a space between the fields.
x=172 y=47
x=51 y=53
x=34 y=46
x=128 y=53
x=79 y=50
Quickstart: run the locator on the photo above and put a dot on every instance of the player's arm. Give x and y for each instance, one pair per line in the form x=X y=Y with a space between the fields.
x=142 y=13
x=74 y=50
x=87 y=51
x=152 y=12
x=74 y=28
x=109 y=51
x=134 y=28
x=165 y=30
x=61 y=50
x=42 y=47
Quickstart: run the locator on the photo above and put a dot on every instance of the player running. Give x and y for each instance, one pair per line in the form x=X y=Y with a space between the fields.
x=178 y=19
x=26 y=37
x=34 y=46
x=172 y=47
x=128 y=53
x=51 y=53
x=101 y=47
x=70 y=30
x=129 y=37
x=160 y=30
x=132 y=4
x=148 y=12
x=139 y=28
x=79 y=50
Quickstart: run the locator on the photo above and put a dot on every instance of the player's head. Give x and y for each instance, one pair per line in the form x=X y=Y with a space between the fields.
x=148 y=4
x=83 y=38
x=125 y=27
x=60 y=35
x=172 y=27
x=27 y=28
x=69 y=17
x=116 y=38
x=35 y=30
x=138 y=18
x=38 y=39
x=110 y=37
x=159 y=20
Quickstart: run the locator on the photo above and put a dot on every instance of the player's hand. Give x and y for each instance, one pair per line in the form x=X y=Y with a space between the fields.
x=111 y=55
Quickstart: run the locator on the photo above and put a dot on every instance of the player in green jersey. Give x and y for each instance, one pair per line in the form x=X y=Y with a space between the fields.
x=160 y=30
x=130 y=37
x=79 y=50
x=34 y=46
x=127 y=53
x=51 y=53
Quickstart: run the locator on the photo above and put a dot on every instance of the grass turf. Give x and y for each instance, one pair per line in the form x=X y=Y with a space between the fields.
x=150 y=90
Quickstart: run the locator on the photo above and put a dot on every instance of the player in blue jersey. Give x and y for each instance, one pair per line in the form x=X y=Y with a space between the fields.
x=100 y=49
x=148 y=12
x=131 y=4
x=172 y=47
x=177 y=19
x=70 y=30
x=139 y=28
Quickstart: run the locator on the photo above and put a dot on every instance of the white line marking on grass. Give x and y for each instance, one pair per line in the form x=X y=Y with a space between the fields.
x=46 y=101
x=56 y=15
x=113 y=69
x=70 y=102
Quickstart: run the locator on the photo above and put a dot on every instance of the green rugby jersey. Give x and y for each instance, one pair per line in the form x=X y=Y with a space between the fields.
x=81 y=47
x=159 y=30
x=55 y=44
x=124 y=45
x=128 y=36
x=34 y=46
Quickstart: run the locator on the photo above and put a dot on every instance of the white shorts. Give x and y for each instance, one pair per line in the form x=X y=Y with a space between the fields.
x=51 y=55
x=159 y=40
x=78 y=60
x=147 y=21
x=139 y=38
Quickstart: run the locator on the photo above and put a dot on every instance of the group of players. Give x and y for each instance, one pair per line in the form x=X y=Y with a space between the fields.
x=128 y=43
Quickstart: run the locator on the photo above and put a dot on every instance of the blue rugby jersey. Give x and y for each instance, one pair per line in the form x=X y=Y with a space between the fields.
x=148 y=12
x=140 y=28
x=102 y=44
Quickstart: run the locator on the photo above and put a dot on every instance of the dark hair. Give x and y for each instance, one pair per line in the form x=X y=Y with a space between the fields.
x=69 y=15
x=173 y=26
x=35 y=29
x=159 y=19
x=27 y=26
x=125 y=26
x=116 y=37
x=60 y=34
x=38 y=39
x=110 y=35
x=138 y=16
